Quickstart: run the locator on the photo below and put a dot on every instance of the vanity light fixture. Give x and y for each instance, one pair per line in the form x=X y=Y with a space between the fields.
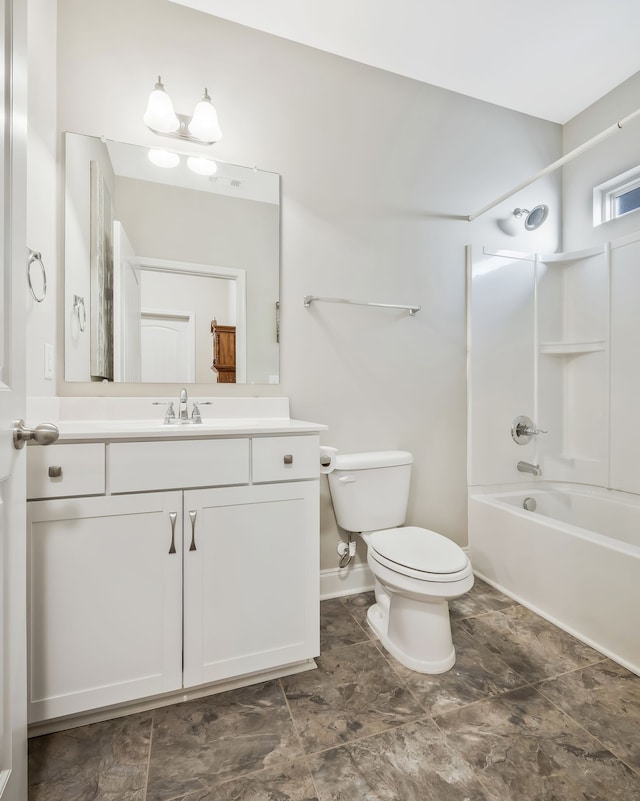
x=200 y=166
x=163 y=158
x=201 y=127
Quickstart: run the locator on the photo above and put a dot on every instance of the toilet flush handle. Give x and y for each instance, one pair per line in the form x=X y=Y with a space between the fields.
x=346 y=479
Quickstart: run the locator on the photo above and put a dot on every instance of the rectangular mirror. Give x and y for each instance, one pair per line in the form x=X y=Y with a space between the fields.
x=171 y=275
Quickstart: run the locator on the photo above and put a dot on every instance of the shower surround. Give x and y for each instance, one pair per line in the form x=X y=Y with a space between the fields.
x=556 y=338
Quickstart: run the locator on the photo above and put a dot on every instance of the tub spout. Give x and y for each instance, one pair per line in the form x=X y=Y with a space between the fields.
x=527 y=467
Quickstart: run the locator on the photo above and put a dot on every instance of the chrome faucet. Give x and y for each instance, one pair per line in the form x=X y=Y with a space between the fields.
x=527 y=467
x=183 y=413
x=182 y=416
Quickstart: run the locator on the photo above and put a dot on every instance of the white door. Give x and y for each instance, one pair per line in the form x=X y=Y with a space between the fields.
x=168 y=346
x=13 y=684
x=126 y=307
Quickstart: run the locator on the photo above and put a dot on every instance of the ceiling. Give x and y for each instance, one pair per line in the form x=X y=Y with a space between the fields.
x=548 y=58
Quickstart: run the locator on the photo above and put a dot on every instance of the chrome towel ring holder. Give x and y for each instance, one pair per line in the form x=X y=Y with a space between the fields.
x=34 y=256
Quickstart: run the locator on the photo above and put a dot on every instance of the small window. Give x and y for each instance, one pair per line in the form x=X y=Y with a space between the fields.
x=616 y=197
x=627 y=201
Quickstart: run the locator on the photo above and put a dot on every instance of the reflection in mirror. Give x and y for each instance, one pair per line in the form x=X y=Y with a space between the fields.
x=170 y=275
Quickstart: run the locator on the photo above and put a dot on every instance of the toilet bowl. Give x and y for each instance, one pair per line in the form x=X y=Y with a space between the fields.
x=417 y=571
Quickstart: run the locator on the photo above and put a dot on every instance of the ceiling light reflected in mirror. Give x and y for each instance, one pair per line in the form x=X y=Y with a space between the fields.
x=168 y=159
x=163 y=158
x=205 y=167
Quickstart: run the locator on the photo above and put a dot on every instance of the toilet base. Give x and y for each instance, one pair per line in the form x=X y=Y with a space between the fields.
x=416 y=633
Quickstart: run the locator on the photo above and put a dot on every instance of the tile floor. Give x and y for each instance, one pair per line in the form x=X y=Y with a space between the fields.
x=528 y=713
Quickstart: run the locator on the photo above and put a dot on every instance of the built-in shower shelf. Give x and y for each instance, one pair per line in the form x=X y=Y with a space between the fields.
x=572 y=348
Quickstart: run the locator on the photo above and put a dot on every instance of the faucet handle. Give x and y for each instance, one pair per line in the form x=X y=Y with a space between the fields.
x=523 y=429
x=196 y=417
x=170 y=414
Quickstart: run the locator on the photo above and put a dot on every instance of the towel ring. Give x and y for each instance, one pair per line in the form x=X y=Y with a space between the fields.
x=34 y=256
x=80 y=310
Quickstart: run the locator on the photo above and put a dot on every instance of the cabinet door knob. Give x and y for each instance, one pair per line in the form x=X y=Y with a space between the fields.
x=193 y=515
x=288 y=458
x=55 y=471
x=172 y=517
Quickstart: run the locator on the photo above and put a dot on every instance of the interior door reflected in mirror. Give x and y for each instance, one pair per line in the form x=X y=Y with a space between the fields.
x=178 y=272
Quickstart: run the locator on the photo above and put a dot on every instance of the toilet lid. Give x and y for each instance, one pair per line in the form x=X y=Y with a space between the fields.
x=419 y=549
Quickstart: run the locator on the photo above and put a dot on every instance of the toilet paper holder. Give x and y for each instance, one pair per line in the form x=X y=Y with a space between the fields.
x=327 y=458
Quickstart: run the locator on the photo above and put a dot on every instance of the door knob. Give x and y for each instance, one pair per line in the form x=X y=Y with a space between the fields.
x=43 y=434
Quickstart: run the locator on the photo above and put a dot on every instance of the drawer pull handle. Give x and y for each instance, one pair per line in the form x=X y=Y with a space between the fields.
x=172 y=517
x=192 y=515
x=288 y=458
x=55 y=471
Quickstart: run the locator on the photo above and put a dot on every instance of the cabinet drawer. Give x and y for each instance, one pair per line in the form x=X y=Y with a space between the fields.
x=55 y=471
x=285 y=458
x=146 y=466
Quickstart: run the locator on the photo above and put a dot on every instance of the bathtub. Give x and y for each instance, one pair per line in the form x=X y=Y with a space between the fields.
x=575 y=560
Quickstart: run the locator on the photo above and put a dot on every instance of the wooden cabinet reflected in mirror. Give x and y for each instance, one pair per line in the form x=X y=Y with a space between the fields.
x=224 y=352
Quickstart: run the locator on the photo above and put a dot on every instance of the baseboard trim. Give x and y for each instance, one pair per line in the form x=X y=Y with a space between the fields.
x=336 y=582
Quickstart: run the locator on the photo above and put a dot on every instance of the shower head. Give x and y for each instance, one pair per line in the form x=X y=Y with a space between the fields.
x=534 y=218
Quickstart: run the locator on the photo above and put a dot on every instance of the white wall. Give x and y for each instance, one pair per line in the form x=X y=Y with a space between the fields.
x=378 y=172
x=42 y=190
x=612 y=157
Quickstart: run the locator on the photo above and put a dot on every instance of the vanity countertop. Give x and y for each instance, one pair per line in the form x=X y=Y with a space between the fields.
x=93 y=430
x=100 y=419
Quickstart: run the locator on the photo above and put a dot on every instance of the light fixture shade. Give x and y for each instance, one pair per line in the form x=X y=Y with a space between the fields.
x=202 y=166
x=160 y=115
x=204 y=123
x=163 y=158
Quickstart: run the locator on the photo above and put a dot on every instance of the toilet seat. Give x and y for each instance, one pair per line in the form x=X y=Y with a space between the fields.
x=419 y=553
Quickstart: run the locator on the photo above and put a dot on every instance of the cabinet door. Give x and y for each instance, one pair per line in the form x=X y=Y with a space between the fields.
x=251 y=579
x=105 y=601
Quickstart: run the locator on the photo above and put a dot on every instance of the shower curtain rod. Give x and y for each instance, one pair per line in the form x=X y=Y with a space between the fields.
x=560 y=162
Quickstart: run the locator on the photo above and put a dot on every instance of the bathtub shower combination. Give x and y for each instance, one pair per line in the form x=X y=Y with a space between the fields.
x=575 y=559
x=554 y=484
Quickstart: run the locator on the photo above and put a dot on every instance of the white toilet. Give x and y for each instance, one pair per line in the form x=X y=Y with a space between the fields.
x=417 y=571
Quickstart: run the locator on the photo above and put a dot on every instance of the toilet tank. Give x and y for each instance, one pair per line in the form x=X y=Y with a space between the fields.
x=370 y=491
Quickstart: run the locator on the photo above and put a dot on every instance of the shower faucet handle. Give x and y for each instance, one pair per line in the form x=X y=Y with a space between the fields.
x=523 y=430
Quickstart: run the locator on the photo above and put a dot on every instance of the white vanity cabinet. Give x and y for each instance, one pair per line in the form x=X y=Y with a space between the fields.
x=198 y=562
x=105 y=598
x=251 y=579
